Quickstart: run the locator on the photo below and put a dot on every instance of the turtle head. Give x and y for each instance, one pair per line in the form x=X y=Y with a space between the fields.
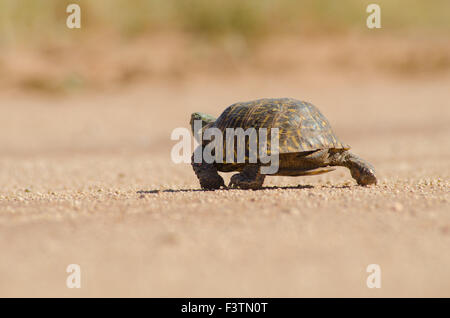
x=205 y=119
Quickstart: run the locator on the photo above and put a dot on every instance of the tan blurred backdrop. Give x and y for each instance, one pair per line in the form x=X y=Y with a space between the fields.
x=85 y=122
x=122 y=43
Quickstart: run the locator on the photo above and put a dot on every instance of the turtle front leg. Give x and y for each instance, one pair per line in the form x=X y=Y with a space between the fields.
x=207 y=175
x=362 y=171
x=249 y=178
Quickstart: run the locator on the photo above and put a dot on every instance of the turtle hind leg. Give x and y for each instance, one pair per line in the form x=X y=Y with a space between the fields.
x=362 y=171
x=207 y=175
x=249 y=178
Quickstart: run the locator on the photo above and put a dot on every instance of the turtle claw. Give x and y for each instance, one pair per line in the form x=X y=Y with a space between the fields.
x=207 y=175
x=364 y=176
x=362 y=171
x=240 y=181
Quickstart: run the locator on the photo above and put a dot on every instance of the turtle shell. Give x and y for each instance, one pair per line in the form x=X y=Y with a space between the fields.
x=302 y=127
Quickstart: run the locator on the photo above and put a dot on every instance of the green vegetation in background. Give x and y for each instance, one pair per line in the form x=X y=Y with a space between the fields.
x=37 y=20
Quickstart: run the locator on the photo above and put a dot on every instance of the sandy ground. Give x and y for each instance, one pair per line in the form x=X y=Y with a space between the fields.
x=71 y=169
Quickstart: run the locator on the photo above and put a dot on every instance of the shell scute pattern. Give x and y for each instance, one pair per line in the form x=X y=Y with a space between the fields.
x=302 y=127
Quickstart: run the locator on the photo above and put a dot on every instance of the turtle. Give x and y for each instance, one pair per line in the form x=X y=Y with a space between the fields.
x=307 y=144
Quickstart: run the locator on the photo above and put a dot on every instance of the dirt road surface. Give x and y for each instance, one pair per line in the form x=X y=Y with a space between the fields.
x=87 y=179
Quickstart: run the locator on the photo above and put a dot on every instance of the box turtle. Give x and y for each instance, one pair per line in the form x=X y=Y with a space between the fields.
x=307 y=144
